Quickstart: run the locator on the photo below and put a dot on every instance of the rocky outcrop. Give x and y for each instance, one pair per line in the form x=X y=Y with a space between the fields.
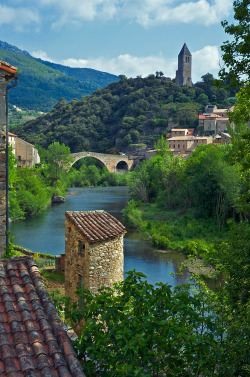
x=57 y=199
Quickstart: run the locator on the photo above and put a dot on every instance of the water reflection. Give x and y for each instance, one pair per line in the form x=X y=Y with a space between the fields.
x=45 y=233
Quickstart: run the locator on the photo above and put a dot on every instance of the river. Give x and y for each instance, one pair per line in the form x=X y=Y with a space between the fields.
x=45 y=234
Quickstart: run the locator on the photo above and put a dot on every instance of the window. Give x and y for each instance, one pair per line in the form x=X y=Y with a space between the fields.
x=179 y=146
x=19 y=158
x=174 y=145
x=81 y=281
x=81 y=247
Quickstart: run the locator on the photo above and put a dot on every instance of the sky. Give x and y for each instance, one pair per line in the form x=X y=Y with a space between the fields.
x=129 y=37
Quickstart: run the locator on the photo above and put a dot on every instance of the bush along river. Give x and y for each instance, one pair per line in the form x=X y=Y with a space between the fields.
x=45 y=234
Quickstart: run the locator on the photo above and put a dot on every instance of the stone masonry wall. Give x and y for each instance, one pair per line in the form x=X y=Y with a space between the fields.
x=91 y=265
x=2 y=165
x=187 y=71
x=106 y=263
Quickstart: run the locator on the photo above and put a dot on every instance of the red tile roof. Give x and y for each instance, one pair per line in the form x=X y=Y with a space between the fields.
x=190 y=131
x=33 y=342
x=96 y=226
x=7 y=67
x=10 y=134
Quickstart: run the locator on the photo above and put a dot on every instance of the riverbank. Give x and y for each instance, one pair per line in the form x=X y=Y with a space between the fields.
x=175 y=230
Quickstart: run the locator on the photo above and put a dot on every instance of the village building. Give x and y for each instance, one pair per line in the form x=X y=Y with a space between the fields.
x=25 y=153
x=33 y=339
x=215 y=120
x=186 y=144
x=226 y=138
x=93 y=251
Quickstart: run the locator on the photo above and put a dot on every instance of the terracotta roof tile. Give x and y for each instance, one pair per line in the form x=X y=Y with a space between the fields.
x=96 y=226
x=33 y=342
x=7 y=67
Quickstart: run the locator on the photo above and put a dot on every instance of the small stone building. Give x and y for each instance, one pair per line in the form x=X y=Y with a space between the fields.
x=93 y=251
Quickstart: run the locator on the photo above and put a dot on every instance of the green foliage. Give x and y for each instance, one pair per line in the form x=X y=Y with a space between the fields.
x=132 y=214
x=203 y=191
x=235 y=52
x=137 y=329
x=58 y=161
x=131 y=111
x=53 y=275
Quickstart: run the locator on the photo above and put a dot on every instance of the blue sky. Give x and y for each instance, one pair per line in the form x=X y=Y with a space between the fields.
x=131 y=37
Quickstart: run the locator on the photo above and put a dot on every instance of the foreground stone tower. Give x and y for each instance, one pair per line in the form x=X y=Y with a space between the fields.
x=7 y=74
x=93 y=251
x=183 y=74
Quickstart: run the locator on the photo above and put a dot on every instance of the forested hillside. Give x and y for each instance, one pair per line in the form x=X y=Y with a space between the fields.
x=42 y=84
x=127 y=112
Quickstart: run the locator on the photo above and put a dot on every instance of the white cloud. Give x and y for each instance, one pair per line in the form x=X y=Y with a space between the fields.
x=204 y=61
x=18 y=18
x=79 y=10
x=144 y=12
x=40 y=54
x=126 y=64
x=152 y=12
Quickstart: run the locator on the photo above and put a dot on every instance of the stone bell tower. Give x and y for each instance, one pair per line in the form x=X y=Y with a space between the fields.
x=183 y=74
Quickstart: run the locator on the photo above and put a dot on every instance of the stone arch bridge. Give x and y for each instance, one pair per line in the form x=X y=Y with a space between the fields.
x=112 y=162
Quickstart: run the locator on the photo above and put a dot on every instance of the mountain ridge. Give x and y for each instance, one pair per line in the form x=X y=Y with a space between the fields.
x=43 y=83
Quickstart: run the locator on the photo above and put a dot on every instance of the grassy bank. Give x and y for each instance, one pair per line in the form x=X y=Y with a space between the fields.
x=174 y=229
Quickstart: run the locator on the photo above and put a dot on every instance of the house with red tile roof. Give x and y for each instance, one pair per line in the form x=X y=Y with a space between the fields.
x=215 y=120
x=33 y=340
x=93 y=251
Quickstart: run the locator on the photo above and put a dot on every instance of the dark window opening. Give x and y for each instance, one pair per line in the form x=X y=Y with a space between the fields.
x=81 y=247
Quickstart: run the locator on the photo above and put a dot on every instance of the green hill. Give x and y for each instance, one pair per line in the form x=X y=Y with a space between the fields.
x=42 y=84
x=96 y=79
x=127 y=112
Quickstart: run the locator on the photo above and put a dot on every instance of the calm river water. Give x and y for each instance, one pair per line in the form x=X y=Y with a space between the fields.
x=45 y=233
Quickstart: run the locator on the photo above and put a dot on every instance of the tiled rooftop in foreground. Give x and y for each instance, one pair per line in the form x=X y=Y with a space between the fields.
x=33 y=342
x=96 y=226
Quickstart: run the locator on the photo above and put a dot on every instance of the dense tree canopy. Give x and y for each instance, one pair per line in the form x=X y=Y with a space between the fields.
x=236 y=52
x=127 y=112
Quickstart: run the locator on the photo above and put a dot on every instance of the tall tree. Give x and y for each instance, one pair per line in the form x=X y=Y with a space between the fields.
x=58 y=158
x=236 y=52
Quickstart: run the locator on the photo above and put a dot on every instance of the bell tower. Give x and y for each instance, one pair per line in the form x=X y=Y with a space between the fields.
x=183 y=74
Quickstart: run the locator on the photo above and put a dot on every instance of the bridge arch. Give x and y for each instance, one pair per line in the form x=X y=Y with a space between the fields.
x=102 y=164
x=122 y=165
x=111 y=161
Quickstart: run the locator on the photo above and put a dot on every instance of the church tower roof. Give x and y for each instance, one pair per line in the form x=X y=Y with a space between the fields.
x=185 y=51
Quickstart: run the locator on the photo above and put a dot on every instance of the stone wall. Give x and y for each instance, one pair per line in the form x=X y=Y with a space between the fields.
x=2 y=165
x=187 y=70
x=93 y=265
x=24 y=153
